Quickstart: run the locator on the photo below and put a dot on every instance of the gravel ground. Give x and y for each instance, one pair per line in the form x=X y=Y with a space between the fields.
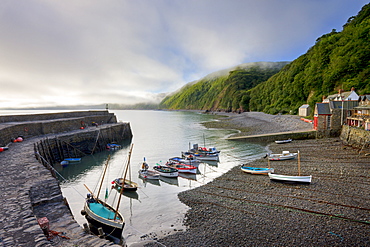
x=253 y=123
x=239 y=209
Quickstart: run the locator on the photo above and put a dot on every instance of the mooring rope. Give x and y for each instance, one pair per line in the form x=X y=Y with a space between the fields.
x=57 y=172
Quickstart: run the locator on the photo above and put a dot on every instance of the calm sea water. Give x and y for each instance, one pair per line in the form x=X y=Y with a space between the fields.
x=154 y=210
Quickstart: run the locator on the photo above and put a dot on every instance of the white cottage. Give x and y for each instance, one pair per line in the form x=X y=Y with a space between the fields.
x=304 y=110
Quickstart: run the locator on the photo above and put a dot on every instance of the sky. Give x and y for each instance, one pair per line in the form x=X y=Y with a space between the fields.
x=87 y=52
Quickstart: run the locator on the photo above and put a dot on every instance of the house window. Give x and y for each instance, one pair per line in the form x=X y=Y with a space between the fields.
x=328 y=122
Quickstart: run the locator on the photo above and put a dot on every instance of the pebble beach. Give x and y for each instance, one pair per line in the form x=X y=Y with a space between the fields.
x=239 y=209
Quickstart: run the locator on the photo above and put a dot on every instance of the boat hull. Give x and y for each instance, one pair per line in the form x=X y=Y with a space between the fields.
x=183 y=168
x=278 y=157
x=193 y=162
x=147 y=174
x=290 y=179
x=283 y=141
x=73 y=160
x=168 y=172
x=127 y=185
x=257 y=170
x=110 y=227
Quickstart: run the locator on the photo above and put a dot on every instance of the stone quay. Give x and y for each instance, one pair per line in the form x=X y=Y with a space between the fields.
x=29 y=192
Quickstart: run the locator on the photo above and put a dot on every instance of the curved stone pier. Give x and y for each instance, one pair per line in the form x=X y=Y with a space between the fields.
x=28 y=192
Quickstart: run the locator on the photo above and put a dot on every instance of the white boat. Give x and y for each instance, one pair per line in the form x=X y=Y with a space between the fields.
x=287 y=178
x=285 y=155
x=186 y=160
x=202 y=156
x=166 y=171
x=145 y=173
x=148 y=174
x=292 y=179
x=283 y=141
x=256 y=170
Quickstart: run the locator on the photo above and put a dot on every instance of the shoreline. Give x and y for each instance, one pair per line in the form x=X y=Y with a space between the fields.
x=239 y=209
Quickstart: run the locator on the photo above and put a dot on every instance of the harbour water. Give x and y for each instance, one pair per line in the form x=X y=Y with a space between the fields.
x=154 y=210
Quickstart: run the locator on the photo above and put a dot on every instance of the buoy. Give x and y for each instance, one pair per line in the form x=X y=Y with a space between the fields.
x=1 y=149
x=19 y=139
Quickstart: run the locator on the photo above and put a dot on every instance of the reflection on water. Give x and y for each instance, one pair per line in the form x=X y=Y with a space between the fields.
x=157 y=136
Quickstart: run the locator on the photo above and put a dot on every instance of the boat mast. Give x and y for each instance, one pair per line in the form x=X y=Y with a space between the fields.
x=102 y=179
x=123 y=185
x=299 y=164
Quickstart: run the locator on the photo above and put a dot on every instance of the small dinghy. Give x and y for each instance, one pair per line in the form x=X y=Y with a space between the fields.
x=285 y=155
x=257 y=170
x=185 y=168
x=166 y=171
x=292 y=179
x=283 y=141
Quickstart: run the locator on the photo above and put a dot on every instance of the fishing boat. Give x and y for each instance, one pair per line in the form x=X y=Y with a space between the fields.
x=256 y=170
x=186 y=160
x=145 y=173
x=123 y=183
x=291 y=179
x=148 y=174
x=181 y=167
x=285 y=155
x=203 y=150
x=202 y=156
x=102 y=216
x=73 y=160
x=283 y=141
x=113 y=146
x=128 y=185
x=166 y=171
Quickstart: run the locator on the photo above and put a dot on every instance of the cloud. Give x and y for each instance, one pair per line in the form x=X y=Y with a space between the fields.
x=122 y=51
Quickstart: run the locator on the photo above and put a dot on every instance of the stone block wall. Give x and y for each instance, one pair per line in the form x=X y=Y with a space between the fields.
x=355 y=137
x=42 y=124
x=51 y=116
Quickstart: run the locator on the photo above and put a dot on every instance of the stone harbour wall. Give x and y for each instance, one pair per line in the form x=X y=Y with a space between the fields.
x=29 y=191
x=40 y=124
x=355 y=137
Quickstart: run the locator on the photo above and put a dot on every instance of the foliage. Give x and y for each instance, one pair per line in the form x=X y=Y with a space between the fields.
x=338 y=60
x=227 y=92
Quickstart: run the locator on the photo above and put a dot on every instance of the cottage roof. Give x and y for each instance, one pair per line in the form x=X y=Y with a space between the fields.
x=364 y=97
x=305 y=106
x=323 y=109
x=346 y=105
x=350 y=95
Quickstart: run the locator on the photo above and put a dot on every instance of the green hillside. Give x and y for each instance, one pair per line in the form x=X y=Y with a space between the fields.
x=223 y=90
x=338 y=60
